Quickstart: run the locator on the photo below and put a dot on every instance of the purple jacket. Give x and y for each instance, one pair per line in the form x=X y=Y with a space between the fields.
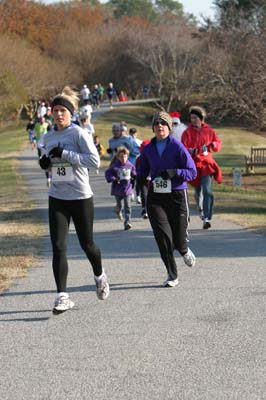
x=121 y=176
x=175 y=156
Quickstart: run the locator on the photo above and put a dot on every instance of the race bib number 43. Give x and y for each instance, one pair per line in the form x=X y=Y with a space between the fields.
x=62 y=172
x=161 y=185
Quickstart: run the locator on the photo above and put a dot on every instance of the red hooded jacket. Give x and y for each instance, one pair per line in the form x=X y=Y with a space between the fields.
x=194 y=139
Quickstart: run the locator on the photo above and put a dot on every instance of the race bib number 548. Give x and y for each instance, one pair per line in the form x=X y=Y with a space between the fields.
x=161 y=185
x=62 y=172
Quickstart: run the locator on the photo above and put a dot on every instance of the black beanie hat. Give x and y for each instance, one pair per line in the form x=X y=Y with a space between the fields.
x=200 y=112
x=62 y=101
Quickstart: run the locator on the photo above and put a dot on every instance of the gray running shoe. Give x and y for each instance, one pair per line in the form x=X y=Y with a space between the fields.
x=102 y=287
x=119 y=215
x=169 y=282
x=189 y=258
x=62 y=303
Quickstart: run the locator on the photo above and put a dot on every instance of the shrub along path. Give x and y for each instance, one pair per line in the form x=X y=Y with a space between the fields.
x=202 y=340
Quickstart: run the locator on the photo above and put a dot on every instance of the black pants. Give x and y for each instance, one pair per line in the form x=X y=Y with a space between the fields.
x=142 y=189
x=169 y=215
x=82 y=214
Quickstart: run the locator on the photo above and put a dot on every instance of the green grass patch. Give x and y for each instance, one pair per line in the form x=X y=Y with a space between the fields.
x=245 y=205
x=12 y=138
x=138 y=117
x=236 y=144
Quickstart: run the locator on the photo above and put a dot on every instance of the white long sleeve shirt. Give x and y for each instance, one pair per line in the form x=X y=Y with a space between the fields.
x=70 y=177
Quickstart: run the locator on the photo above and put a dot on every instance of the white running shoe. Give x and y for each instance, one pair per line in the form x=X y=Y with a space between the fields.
x=169 y=282
x=62 y=303
x=138 y=200
x=102 y=287
x=189 y=258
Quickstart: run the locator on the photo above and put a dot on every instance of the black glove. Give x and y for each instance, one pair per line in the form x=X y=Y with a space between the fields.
x=56 y=152
x=45 y=162
x=168 y=173
x=141 y=180
x=132 y=181
x=109 y=151
x=193 y=151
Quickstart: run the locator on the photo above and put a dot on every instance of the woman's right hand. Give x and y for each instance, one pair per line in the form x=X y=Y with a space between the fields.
x=45 y=162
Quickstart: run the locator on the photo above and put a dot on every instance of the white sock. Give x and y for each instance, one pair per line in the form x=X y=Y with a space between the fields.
x=99 y=278
x=64 y=294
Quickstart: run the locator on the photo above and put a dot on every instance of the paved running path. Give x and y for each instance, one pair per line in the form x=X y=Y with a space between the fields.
x=202 y=340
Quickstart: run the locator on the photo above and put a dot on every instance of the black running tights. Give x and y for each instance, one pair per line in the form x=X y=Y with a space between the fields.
x=82 y=214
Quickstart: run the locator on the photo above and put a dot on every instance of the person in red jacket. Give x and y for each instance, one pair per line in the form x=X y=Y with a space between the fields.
x=201 y=140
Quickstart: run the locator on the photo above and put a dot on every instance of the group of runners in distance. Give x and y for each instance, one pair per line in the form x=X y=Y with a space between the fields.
x=155 y=172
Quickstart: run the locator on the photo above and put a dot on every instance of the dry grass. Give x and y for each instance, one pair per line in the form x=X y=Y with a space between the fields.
x=20 y=225
x=21 y=232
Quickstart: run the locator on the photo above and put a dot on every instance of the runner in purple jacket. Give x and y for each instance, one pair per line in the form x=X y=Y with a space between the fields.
x=122 y=174
x=170 y=166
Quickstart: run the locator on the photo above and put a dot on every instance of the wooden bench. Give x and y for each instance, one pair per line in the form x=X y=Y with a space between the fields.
x=257 y=158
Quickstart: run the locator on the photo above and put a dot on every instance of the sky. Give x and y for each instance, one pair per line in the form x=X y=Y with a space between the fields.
x=196 y=7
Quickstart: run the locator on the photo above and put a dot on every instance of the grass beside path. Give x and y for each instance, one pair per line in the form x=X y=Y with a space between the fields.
x=245 y=205
x=21 y=228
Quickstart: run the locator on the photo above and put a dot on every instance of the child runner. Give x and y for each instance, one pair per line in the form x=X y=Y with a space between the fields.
x=122 y=174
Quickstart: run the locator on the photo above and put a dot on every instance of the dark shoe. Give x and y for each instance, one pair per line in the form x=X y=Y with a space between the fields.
x=206 y=224
x=127 y=226
x=144 y=214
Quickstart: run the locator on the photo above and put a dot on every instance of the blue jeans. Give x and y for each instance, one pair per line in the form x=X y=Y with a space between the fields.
x=127 y=206
x=204 y=196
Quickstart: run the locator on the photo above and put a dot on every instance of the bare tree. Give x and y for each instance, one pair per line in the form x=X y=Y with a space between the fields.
x=232 y=75
x=25 y=74
x=168 y=53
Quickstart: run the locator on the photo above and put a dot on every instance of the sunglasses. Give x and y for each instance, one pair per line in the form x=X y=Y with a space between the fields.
x=175 y=123
x=160 y=122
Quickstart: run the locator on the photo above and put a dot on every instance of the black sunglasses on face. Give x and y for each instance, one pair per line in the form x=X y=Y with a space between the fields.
x=175 y=123
x=160 y=122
